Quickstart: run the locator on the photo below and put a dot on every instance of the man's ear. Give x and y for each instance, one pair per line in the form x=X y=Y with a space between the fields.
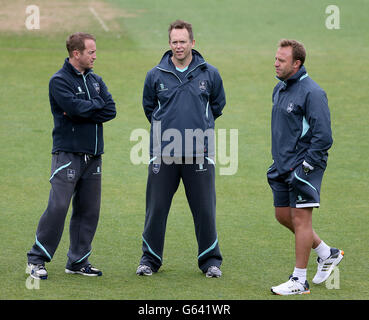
x=76 y=54
x=297 y=64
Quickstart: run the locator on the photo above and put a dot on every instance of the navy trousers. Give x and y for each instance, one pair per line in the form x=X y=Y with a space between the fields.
x=75 y=177
x=199 y=182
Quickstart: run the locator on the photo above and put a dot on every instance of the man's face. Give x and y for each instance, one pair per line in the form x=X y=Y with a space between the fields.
x=87 y=57
x=181 y=44
x=284 y=65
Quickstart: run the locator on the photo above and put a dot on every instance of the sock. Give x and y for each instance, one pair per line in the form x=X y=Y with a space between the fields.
x=323 y=250
x=300 y=273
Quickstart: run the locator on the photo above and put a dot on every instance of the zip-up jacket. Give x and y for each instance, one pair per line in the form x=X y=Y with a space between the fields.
x=301 y=126
x=80 y=103
x=190 y=103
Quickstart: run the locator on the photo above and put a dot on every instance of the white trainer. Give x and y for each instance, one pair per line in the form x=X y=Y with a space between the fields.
x=292 y=286
x=144 y=270
x=37 y=271
x=213 y=272
x=325 y=267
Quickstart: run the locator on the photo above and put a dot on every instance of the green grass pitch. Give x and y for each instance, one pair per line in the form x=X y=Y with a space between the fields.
x=240 y=38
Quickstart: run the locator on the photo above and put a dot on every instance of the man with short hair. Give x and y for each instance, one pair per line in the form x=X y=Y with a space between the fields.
x=182 y=95
x=301 y=137
x=80 y=103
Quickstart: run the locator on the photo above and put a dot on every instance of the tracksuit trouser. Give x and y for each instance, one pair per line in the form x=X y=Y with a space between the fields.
x=75 y=177
x=199 y=182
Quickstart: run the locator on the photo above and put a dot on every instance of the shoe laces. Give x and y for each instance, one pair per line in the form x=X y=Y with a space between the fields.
x=87 y=269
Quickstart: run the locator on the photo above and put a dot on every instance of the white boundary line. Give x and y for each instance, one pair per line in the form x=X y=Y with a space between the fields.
x=103 y=25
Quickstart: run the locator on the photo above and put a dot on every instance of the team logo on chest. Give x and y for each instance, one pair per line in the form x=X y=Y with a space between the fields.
x=202 y=85
x=162 y=87
x=97 y=87
x=290 y=107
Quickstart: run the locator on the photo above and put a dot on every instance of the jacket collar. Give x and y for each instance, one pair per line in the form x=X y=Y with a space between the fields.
x=299 y=75
x=167 y=64
x=68 y=67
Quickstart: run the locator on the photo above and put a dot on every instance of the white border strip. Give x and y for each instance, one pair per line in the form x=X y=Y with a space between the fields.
x=308 y=205
x=103 y=25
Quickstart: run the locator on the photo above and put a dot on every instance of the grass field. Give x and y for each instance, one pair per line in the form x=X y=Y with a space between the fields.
x=240 y=39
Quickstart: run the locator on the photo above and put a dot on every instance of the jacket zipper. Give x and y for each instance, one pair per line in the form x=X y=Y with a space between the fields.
x=168 y=71
x=89 y=97
x=165 y=70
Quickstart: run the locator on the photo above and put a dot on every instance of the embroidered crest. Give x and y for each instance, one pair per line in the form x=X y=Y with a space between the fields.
x=156 y=168
x=97 y=87
x=71 y=174
x=98 y=171
x=80 y=91
x=290 y=107
x=201 y=168
x=162 y=87
x=202 y=85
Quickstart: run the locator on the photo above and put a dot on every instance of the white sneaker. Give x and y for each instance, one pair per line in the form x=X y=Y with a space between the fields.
x=292 y=286
x=89 y=270
x=143 y=270
x=325 y=267
x=213 y=272
x=37 y=271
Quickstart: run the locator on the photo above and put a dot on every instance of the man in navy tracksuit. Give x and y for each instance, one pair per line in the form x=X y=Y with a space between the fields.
x=301 y=137
x=80 y=103
x=182 y=97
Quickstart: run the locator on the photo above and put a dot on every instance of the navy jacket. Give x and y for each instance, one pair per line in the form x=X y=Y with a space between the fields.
x=80 y=103
x=191 y=103
x=301 y=126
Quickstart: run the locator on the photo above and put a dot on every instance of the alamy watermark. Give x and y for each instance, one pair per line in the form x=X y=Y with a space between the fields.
x=32 y=22
x=333 y=281
x=31 y=283
x=33 y=17
x=173 y=146
x=333 y=20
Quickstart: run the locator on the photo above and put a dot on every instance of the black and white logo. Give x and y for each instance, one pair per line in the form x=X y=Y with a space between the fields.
x=162 y=87
x=80 y=91
x=156 y=168
x=98 y=171
x=201 y=168
x=71 y=174
x=202 y=85
x=290 y=107
x=97 y=87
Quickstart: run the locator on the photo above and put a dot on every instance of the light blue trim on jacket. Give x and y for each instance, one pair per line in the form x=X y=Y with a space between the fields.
x=304 y=76
x=89 y=97
x=305 y=127
x=152 y=160
x=211 y=161
x=182 y=70
x=159 y=107
x=96 y=138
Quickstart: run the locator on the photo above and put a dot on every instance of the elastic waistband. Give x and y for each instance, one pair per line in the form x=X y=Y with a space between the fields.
x=81 y=154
